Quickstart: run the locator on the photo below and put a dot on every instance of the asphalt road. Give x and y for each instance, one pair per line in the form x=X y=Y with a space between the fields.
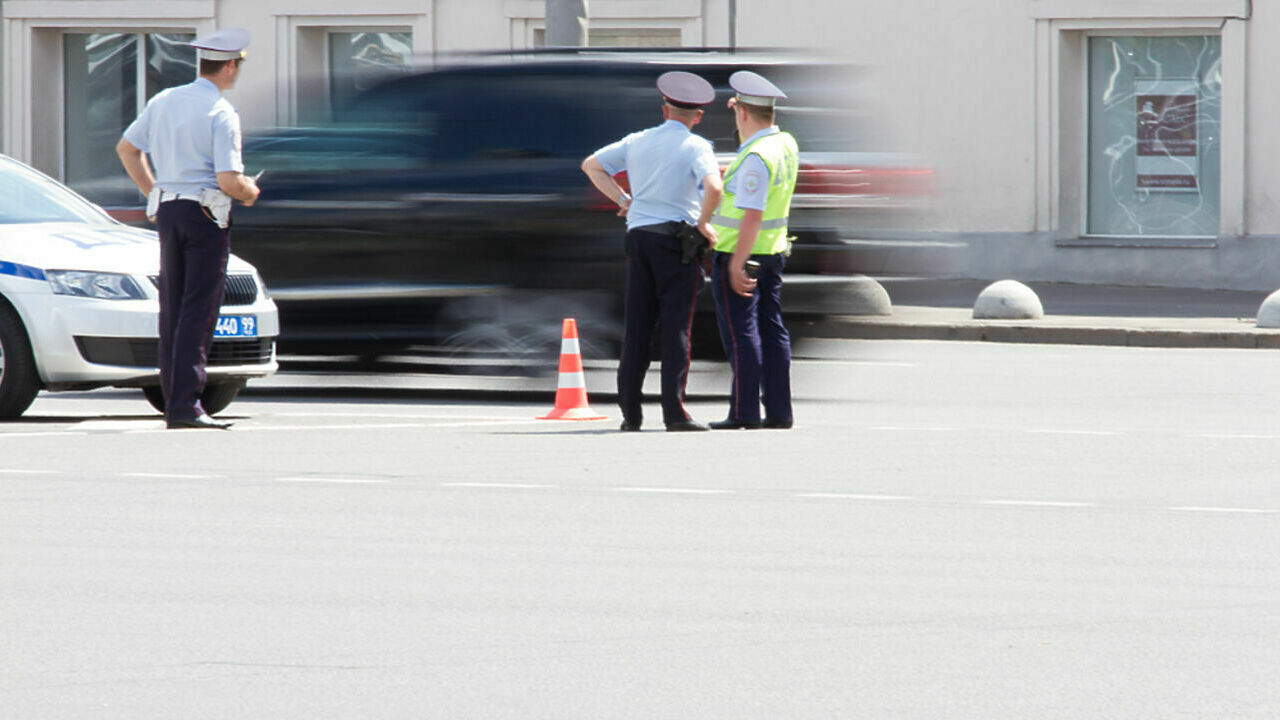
x=952 y=530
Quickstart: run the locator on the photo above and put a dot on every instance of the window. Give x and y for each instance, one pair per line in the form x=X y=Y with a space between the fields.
x=359 y=60
x=1155 y=109
x=108 y=79
x=622 y=37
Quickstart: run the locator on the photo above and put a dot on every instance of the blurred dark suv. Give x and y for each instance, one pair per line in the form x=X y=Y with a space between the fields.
x=447 y=208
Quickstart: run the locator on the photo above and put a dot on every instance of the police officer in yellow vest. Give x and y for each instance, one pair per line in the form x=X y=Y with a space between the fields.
x=751 y=224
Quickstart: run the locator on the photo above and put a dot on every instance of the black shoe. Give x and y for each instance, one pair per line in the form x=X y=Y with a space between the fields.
x=734 y=425
x=777 y=424
x=200 y=422
x=630 y=426
x=686 y=426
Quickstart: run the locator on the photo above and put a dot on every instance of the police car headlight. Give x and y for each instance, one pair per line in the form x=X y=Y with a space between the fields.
x=104 y=286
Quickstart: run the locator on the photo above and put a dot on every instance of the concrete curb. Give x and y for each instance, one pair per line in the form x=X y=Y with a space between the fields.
x=1046 y=332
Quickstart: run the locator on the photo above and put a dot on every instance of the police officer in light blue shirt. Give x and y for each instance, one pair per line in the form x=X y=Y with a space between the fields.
x=674 y=179
x=191 y=135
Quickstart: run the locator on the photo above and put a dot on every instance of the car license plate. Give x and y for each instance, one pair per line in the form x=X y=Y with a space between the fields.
x=232 y=326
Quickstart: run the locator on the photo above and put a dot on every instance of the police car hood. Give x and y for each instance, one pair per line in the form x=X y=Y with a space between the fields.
x=81 y=246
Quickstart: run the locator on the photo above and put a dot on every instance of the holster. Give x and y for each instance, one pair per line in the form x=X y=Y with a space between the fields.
x=692 y=243
x=218 y=203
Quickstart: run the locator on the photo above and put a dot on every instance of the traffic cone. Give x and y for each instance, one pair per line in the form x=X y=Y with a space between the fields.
x=571 y=392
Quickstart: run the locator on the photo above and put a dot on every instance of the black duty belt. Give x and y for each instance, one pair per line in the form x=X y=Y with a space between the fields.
x=671 y=227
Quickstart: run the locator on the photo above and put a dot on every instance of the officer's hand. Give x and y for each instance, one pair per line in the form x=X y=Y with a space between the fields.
x=709 y=233
x=741 y=284
x=253 y=194
x=624 y=204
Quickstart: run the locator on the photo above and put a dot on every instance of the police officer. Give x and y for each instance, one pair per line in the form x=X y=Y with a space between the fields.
x=752 y=225
x=674 y=178
x=192 y=135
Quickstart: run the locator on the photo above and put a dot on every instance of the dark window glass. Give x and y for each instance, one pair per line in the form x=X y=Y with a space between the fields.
x=102 y=96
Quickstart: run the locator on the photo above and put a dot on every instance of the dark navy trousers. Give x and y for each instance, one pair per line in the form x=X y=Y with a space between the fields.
x=193 y=271
x=662 y=292
x=755 y=340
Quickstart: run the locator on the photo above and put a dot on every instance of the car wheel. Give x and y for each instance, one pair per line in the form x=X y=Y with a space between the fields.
x=524 y=327
x=18 y=380
x=215 y=398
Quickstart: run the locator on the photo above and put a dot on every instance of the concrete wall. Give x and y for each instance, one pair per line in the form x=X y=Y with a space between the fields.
x=989 y=92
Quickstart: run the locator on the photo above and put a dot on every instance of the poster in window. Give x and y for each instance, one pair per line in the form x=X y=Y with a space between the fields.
x=1168 y=157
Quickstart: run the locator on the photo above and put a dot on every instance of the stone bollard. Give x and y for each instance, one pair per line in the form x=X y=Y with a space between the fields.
x=1269 y=311
x=859 y=295
x=1007 y=300
x=867 y=296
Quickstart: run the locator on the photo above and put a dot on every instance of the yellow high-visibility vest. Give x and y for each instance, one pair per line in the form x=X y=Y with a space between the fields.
x=781 y=154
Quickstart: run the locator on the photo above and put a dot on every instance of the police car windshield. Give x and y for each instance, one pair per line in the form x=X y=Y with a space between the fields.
x=27 y=196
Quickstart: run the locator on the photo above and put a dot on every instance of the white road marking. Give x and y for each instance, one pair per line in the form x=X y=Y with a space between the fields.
x=1050 y=431
x=1216 y=436
x=30 y=472
x=332 y=480
x=359 y=426
x=503 y=486
x=671 y=490
x=1037 y=503
x=48 y=433
x=860 y=363
x=901 y=428
x=482 y=423
x=119 y=425
x=164 y=476
x=852 y=496
x=400 y=415
x=1253 y=511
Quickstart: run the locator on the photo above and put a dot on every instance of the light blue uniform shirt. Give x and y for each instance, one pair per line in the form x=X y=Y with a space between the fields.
x=191 y=134
x=665 y=166
x=750 y=182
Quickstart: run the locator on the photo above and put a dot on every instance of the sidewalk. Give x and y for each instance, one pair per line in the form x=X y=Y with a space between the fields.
x=927 y=309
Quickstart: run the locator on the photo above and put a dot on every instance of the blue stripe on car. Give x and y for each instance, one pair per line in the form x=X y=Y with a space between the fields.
x=22 y=271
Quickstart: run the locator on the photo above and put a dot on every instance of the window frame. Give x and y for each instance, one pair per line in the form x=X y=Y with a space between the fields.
x=525 y=17
x=32 y=42
x=1087 y=155
x=1062 y=106
x=303 y=43
x=141 y=97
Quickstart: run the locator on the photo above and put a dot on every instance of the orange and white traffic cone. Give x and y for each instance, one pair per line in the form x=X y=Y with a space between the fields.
x=571 y=392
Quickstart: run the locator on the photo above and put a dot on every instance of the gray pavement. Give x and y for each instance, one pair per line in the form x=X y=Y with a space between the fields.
x=935 y=309
x=1079 y=533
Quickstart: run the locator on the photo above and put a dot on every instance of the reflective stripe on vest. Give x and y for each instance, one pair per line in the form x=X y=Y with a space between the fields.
x=781 y=156
x=736 y=223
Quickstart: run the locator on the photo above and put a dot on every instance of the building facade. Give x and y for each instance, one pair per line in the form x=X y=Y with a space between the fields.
x=1118 y=141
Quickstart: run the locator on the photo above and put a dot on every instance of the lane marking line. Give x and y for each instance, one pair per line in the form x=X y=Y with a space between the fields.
x=859 y=363
x=671 y=490
x=165 y=476
x=49 y=433
x=1250 y=511
x=1217 y=436
x=30 y=472
x=103 y=426
x=500 y=486
x=358 y=426
x=852 y=496
x=332 y=480
x=1049 y=431
x=902 y=428
x=483 y=423
x=1038 y=503
x=400 y=415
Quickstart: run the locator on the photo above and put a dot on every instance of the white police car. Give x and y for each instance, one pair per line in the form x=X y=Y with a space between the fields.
x=79 y=306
